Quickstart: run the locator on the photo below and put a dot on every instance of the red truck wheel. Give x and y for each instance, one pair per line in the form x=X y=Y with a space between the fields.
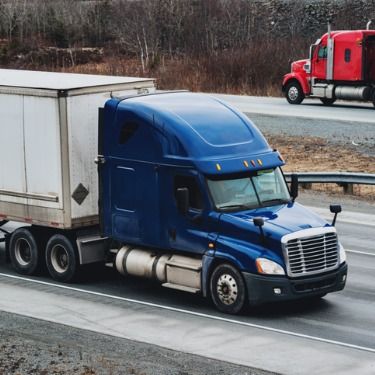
x=294 y=93
x=327 y=101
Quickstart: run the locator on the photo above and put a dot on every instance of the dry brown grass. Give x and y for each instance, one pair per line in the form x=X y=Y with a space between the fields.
x=309 y=154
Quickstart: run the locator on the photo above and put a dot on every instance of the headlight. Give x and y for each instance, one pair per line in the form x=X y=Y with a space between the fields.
x=342 y=253
x=269 y=267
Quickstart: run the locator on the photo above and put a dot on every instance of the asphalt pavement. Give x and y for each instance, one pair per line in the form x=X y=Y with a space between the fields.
x=346 y=123
x=338 y=328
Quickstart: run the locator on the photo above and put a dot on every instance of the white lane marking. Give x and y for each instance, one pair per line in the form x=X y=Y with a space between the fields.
x=350 y=217
x=360 y=252
x=194 y=313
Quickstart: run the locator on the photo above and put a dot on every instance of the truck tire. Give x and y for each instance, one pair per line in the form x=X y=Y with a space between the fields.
x=227 y=288
x=294 y=93
x=327 y=101
x=23 y=251
x=61 y=258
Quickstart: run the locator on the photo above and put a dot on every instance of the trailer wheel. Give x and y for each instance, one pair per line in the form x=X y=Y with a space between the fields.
x=327 y=101
x=294 y=93
x=61 y=258
x=23 y=251
x=228 y=291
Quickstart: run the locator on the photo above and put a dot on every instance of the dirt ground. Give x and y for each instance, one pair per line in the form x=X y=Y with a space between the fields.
x=31 y=346
x=309 y=154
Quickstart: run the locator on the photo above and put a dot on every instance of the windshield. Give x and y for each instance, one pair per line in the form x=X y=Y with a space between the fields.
x=263 y=188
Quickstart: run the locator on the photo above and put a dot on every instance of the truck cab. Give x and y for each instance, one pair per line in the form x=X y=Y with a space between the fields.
x=341 y=65
x=192 y=195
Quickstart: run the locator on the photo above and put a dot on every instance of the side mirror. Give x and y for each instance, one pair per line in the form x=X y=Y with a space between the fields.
x=259 y=222
x=335 y=209
x=182 y=198
x=294 y=187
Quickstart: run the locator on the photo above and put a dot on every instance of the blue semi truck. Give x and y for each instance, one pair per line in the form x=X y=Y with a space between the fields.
x=190 y=194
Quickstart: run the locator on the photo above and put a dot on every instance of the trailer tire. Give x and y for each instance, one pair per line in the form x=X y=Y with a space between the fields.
x=23 y=251
x=327 y=101
x=294 y=93
x=61 y=258
x=227 y=288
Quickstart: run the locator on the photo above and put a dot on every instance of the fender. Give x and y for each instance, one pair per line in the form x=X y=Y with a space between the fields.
x=302 y=81
x=238 y=254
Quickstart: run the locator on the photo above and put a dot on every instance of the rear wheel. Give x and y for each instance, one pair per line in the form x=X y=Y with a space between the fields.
x=294 y=93
x=23 y=251
x=327 y=101
x=228 y=291
x=61 y=258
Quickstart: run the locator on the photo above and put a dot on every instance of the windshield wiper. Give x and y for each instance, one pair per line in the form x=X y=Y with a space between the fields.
x=276 y=200
x=229 y=206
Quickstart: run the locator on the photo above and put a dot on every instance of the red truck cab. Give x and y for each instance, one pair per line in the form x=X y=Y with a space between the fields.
x=341 y=65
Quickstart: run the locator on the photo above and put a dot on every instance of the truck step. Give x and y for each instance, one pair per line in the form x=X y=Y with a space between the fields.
x=181 y=287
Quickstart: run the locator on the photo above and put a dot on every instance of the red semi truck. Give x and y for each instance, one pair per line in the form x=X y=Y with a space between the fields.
x=341 y=65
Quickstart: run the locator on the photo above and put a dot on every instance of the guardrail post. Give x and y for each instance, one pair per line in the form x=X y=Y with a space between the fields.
x=348 y=188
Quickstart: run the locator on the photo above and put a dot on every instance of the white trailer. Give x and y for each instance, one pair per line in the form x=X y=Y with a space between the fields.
x=48 y=143
x=48 y=178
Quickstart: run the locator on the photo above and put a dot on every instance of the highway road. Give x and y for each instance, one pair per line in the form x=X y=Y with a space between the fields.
x=334 y=335
x=339 y=329
x=309 y=108
x=349 y=124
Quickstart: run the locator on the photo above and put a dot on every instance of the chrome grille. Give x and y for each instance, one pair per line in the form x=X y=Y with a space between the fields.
x=307 y=255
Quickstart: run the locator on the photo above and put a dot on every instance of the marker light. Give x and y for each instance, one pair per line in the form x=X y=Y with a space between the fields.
x=260 y=162
x=218 y=167
x=246 y=164
x=268 y=267
x=253 y=163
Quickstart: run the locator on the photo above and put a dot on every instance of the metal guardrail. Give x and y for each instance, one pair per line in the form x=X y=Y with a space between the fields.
x=334 y=177
x=344 y=179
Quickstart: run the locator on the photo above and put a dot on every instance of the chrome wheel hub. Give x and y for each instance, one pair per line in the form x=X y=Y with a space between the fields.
x=227 y=289
x=293 y=93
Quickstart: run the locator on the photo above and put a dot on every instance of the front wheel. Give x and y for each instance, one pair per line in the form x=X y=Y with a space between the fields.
x=61 y=258
x=228 y=291
x=327 y=101
x=294 y=93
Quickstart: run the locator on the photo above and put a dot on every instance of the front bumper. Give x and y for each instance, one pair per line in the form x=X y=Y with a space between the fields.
x=261 y=289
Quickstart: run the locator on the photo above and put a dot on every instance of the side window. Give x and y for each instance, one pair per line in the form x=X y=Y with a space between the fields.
x=322 y=53
x=348 y=53
x=127 y=131
x=195 y=195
